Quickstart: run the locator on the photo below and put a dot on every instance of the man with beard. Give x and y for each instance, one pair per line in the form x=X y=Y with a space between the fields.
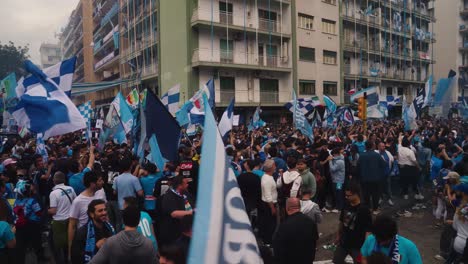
x=91 y=237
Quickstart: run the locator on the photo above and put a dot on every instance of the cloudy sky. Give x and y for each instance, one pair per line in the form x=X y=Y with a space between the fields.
x=33 y=22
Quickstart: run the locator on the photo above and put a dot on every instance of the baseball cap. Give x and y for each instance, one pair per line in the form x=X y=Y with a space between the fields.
x=8 y=161
x=452 y=175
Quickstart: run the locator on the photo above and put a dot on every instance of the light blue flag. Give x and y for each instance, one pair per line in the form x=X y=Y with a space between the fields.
x=409 y=115
x=141 y=144
x=428 y=89
x=257 y=122
x=40 y=147
x=330 y=104
x=221 y=232
x=300 y=121
x=442 y=90
x=8 y=87
x=124 y=112
x=182 y=116
x=156 y=155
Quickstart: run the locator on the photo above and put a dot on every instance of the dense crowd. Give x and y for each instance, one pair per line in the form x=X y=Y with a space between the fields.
x=109 y=206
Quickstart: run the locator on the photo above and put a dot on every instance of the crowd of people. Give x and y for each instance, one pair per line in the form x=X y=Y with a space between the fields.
x=109 y=206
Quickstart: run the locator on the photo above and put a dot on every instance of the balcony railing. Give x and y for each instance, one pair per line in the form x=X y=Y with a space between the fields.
x=227 y=95
x=251 y=22
x=226 y=18
x=106 y=59
x=239 y=58
x=151 y=69
x=268 y=25
x=269 y=97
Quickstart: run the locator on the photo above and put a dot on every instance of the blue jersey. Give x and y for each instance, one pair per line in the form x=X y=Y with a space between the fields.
x=76 y=181
x=147 y=184
x=408 y=252
x=144 y=228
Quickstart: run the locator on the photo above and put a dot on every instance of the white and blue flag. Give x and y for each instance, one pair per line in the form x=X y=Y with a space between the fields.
x=221 y=232
x=40 y=147
x=61 y=74
x=86 y=111
x=330 y=104
x=43 y=106
x=300 y=121
x=225 y=124
x=171 y=99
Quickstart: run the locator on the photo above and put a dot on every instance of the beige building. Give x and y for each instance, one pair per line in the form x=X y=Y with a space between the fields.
x=318 y=49
x=51 y=54
x=387 y=44
x=451 y=49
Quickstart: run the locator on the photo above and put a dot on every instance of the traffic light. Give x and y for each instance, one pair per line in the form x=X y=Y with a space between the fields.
x=362 y=108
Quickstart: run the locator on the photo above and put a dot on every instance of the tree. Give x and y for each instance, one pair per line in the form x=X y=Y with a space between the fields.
x=12 y=59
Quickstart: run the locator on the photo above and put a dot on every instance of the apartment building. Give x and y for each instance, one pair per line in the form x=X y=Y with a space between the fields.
x=139 y=38
x=51 y=54
x=451 y=49
x=106 y=48
x=76 y=39
x=318 y=49
x=387 y=44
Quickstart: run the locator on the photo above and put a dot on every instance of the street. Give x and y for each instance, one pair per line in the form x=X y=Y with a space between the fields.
x=419 y=228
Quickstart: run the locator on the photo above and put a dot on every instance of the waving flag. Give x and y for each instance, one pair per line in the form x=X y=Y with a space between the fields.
x=221 y=232
x=171 y=99
x=133 y=99
x=225 y=124
x=300 y=121
x=86 y=111
x=330 y=104
x=428 y=91
x=40 y=147
x=409 y=115
x=161 y=123
x=61 y=74
x=124 y=112
x=43 y=107
x=257 y=122
x=306 y=105
x=183 y=115
x=8 y=87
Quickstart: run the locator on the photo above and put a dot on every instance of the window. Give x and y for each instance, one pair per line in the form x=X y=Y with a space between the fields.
x=226 y=47
x=227 y=87
x=306 y=54
x=329 y=57
x=306 y=21
x=389 y=90
x=306 y=87
x=328 y=26
x=265 y=14
x=400 y=91
x=331 y=2
x=330 y=88
x=225 y=7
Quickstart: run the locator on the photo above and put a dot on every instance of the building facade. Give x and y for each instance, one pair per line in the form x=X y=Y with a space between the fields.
x=257 y=51
x=451 y=49
x=51 y=54
x=387 y=44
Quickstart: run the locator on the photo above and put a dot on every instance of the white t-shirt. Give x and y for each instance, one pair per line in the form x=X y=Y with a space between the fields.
x=79 y=208
x=59 y=200
x=269 y=192
x=462 y=234
x=101 y=195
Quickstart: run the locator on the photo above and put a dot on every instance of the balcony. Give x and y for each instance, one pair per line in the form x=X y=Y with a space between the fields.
x=269 y=97
x=109 y=57
x=464 y=11
x=463 y=46
x=234 y=59
x=149 y=71
x=227 y=95
x=204 y=17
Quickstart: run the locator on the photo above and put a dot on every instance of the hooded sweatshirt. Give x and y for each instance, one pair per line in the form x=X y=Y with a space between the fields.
x=290 y=177
x=126 y=247
x=337 y=169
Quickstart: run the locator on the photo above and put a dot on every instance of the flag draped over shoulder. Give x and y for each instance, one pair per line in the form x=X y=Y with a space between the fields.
x=221 y=232
x=43 y=106
x=163 y=125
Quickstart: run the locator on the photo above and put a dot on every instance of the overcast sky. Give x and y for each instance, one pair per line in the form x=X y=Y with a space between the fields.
x=33 y=22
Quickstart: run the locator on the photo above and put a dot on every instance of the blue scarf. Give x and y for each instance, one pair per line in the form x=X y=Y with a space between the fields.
x=91 y=240
x=393 y=251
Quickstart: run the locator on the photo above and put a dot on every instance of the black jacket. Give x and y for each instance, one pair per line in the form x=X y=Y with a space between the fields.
x=371 y=167
x=296 y=240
